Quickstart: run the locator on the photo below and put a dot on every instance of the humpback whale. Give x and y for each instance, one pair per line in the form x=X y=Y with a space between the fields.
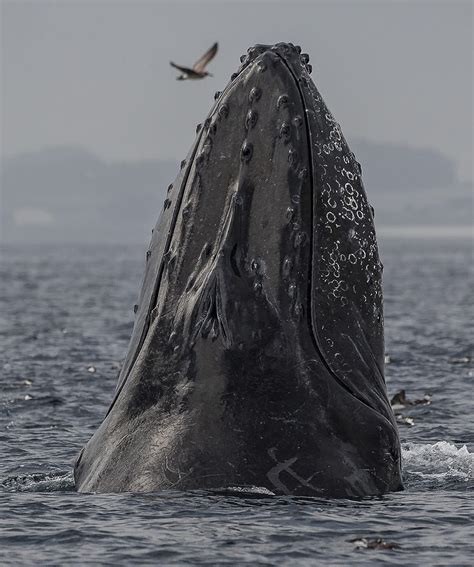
x=257 y=353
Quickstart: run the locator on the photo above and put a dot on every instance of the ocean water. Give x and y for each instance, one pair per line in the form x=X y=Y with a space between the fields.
x=65 y=321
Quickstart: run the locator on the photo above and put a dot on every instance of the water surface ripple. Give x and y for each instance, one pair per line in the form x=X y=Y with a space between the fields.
x=65 y=321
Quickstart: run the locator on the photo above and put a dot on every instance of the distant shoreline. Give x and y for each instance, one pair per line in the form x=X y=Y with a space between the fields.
x=427 y=231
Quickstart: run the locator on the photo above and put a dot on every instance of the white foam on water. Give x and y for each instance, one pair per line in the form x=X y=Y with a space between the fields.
x=52 y=482
x=248 y=490
x=438 y=462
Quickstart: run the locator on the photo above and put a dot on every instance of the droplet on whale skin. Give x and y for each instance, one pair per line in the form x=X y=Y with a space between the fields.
x=289 y=214
x=286 y=267
x=257 y=286
x=292 y=289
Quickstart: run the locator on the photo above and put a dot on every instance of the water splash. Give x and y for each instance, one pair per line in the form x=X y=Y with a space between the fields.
x=61 y=481
x=437 y=464
x=244 y=491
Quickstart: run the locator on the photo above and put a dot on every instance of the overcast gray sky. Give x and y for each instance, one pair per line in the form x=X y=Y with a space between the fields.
x=96 y=73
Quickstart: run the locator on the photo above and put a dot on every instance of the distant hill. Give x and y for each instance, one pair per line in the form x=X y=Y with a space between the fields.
x=391 y=166
x=413 y=187
x=70 y=195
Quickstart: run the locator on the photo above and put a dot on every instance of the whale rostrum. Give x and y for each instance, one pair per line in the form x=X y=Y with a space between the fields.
x=257 y=354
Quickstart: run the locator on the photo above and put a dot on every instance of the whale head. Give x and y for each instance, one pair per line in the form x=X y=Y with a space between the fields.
x=258 y=338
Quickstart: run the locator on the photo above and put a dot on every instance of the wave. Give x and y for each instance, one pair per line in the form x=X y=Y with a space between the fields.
x=437 y=464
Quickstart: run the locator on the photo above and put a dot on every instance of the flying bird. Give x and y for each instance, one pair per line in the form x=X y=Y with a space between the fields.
x=197 y=72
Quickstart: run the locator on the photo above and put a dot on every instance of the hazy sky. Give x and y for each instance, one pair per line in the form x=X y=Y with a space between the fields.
x=96 y=73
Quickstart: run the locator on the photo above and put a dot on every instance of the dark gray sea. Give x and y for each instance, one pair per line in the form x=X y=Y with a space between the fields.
x=65 y=321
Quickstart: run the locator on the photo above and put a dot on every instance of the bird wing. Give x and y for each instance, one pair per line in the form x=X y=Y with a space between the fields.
x=182 y=69
x=204 y=60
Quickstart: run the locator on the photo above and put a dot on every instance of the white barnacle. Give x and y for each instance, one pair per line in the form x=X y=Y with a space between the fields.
x=348 y=214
